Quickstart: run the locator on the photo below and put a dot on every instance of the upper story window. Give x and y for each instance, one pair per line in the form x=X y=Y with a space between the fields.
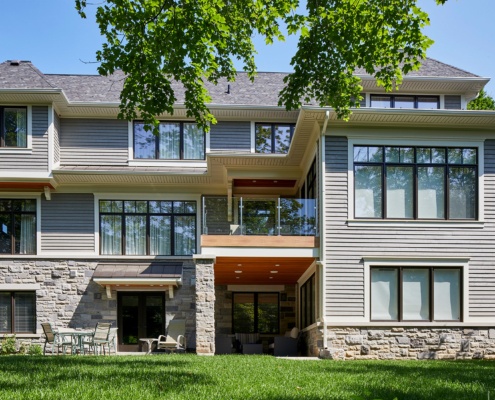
x=394 y=101
x=141 y=227
x=175 y=141
x=273 y=138
x=13 y=128
x=415 y=182
x=18 y=226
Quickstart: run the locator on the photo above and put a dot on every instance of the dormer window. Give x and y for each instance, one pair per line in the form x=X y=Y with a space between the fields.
x=273 y=138
x=393 y=101
x=175 y=141
x=13 y=128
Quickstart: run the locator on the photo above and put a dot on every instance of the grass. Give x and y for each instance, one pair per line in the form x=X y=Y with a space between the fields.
x=240 y=377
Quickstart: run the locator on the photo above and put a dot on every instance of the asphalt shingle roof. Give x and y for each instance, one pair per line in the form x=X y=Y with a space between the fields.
x=94 y=88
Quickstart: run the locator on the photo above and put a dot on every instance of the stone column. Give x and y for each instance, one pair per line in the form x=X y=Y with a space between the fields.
x=205 y=304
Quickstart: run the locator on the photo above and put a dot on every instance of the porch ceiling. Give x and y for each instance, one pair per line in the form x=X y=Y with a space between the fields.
x=258 y=270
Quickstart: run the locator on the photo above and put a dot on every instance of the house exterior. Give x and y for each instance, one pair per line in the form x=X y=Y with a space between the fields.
x=375 y=237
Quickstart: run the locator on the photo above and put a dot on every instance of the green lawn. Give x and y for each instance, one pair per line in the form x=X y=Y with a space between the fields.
x=239 y=377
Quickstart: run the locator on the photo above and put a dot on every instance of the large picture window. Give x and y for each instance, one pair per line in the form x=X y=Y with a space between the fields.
x=18 y=226
x=13 y=127
x=17 y=312
x=255 y=313
x=273 y=138
x=175 y=141
x=140 y=227
x=416 y=294
x=394 y=101
x=415 y=182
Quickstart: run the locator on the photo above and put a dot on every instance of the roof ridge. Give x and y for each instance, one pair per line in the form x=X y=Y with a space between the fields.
x=452 y=66
x=41 y=74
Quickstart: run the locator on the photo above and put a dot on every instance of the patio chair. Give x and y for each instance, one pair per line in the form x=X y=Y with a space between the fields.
x=54 y=339
x=100 y=338
x=112 y=339
x=287 y=345
x=175 y=339
x=248 y=343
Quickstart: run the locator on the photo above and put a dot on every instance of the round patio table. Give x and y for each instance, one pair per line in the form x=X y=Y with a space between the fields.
x=150 y=342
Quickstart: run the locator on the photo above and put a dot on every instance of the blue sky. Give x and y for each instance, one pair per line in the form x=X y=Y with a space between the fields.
x=51 y=34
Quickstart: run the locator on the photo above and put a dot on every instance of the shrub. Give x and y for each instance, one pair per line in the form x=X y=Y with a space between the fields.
x=35 y=350
x=9 y=345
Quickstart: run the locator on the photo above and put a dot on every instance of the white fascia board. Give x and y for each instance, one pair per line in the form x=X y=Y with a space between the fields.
x=279 y=252
x=138 y=281
x=29 y=176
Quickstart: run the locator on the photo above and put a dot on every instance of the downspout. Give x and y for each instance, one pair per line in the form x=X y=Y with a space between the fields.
x=321 y=263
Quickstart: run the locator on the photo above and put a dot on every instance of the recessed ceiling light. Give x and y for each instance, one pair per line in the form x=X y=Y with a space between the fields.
x=238 y=272
x=239 y=265
x=275 y=181
x=277 y=265
x=273 y=272
x=237 y=277
x=271 y=277
x=254 y=181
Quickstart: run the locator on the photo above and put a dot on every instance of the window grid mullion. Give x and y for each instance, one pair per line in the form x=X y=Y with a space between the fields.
x=399 y=290
x=157 y=145
x=181 y=140
x=432 y=294
x=12 y=312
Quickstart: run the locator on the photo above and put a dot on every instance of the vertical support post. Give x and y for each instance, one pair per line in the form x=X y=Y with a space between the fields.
x=205 y=304
x=241 y=211
x=278 y=216
x=229 y=200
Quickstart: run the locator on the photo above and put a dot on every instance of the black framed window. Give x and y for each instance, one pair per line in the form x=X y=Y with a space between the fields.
x=141 y=227
x=175 y=141
x=308 y=302
x=273 y=138
x=18 y=226
x=416 y=294
x=396 y=182
x=255 y=313
x=401 y=101
x=17 y=312
x=13 y=127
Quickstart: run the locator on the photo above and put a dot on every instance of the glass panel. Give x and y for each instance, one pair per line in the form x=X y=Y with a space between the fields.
x=438 y=156
x=185 y=235
x=400 y=192
x=25 y=234
x=268 y=319
x=136 y=207
x=15 y=123
x=368 y=191
x=160 y=207
x=407 y=155
x=24 y=205
x=282 y=138
x=375 y=154
x=462 y=193
x=25 y=312
x=404 y=101
x=135 y=235
x=130 y=320
x=263 y=138
x=169 y=141
x=380 y=101
x=360 y=153
x=469 y=156
x=455 y=156
x=6 y=234
x=431 y=192
x=111 y=206
x=194 y=142
x=427 y=103
x=447 y=294
x=243 y=313
x=423 y=155
x=111 y=234
x=160 y=236
x=144 y=142
x=184 y=207
x=5 y=205
x=415 y=294
x=5 y=312
x=297 y=217
x=384 y=295
x=154 y=316
x=392 y=155
x=215 y=217
x=259 y=217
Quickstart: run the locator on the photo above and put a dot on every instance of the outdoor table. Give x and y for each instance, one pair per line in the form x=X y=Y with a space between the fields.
x=150 y=342
x=77 y=340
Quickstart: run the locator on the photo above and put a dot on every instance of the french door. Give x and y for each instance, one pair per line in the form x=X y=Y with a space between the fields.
x=139 y=315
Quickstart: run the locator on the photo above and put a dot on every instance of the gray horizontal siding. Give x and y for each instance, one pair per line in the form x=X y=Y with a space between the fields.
x=93 y=142
x=452 y=102
x=67 y=223
x=56 y=138
x=345 y=246
x=231 y=136
x=38 y=158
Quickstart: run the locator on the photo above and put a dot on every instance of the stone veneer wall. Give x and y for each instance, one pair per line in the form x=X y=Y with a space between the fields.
x=313 y=341
x=69 y=298
x=409 y=343
x=223 y=309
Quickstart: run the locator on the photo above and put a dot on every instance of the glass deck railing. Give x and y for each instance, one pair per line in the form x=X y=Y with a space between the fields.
x=259 y=216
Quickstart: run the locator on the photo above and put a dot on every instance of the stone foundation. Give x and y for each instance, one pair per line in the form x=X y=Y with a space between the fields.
x=68 y=298
x=409 y=343
x=313 y=341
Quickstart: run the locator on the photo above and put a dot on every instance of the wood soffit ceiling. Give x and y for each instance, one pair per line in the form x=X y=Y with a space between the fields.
x=260 y=270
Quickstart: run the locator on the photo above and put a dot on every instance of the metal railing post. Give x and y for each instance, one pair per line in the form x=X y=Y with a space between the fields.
x=241 y=207
x=278 y=217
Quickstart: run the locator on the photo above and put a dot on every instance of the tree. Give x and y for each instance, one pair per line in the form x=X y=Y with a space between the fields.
x=157 y=42
x=482 y=102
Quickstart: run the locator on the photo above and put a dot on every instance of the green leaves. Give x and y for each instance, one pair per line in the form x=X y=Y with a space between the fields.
x=159 y=44
x=482 y=102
